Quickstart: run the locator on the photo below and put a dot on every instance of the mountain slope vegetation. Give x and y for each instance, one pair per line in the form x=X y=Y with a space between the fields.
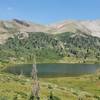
x=22 y=47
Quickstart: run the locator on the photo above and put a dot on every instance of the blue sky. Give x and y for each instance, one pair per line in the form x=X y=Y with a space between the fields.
x=50 y=11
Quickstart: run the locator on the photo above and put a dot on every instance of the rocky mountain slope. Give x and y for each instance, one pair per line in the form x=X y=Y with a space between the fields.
x=88 y=27
x=8 y=28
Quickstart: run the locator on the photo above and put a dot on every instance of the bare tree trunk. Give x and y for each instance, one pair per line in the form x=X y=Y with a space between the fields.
x=36 y=86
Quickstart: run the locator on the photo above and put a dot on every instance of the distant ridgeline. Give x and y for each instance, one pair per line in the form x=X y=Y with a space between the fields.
x=49 y=47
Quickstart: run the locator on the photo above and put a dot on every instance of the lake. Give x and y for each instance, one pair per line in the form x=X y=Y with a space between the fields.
x=55 y=69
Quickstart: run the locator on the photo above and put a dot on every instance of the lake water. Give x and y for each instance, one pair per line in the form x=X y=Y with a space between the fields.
x=55 y=69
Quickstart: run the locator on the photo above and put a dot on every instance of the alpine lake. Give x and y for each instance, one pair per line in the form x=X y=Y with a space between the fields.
x=54 y=70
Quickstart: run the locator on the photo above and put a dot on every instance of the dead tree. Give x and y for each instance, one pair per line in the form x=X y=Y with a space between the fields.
x=36 y=86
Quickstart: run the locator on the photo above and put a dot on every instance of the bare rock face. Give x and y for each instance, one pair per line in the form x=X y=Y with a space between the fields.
x=93 y=27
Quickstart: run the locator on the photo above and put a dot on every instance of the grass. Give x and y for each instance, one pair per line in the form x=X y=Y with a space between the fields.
x=78 y=60
x=12 y=86
x=83 y=83
x=64 y=88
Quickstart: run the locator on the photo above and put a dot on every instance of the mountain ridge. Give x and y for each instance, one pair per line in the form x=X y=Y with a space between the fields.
x=9 y=27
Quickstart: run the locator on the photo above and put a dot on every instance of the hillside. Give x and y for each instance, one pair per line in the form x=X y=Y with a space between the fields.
x=21 y=40
x=8 y=28
x=78 y=48
x=91 y=27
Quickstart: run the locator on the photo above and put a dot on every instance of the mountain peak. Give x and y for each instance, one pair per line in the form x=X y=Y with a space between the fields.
x=21 y=22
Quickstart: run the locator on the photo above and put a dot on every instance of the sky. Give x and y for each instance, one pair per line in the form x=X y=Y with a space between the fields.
x=49 y=11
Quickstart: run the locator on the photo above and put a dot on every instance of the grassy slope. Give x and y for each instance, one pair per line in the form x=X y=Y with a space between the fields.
x=65 y=88
x=21 y=87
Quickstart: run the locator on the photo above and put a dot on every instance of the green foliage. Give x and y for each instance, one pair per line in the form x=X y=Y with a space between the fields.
x=81 y=45
x=48 y=48
x=43 y=45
